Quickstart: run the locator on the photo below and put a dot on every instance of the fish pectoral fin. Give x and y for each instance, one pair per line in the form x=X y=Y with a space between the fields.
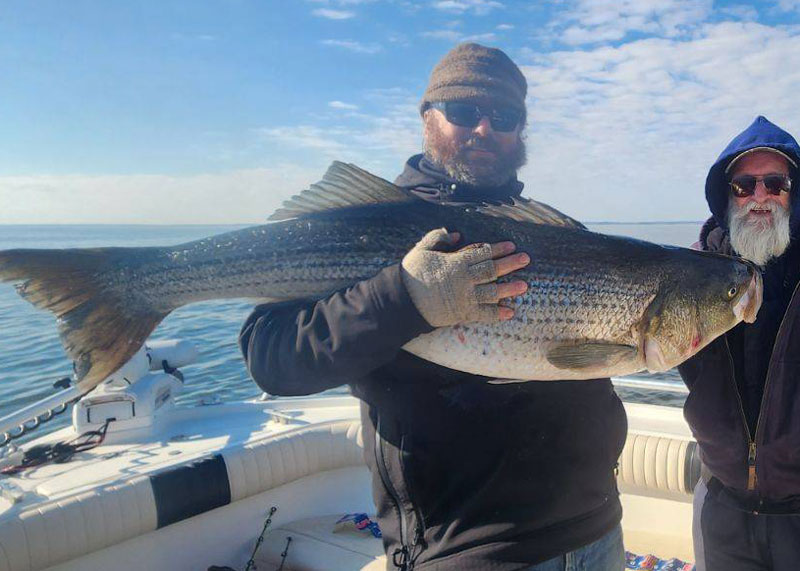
x=527 y=210
x=344 y=185
x=589 y=355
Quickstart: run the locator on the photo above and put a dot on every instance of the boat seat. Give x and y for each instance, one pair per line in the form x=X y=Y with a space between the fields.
x=659 y=465
x=315 y=546
x=52 y=532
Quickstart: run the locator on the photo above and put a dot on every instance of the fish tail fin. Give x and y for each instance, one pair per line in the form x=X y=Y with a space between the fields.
x=98 y=330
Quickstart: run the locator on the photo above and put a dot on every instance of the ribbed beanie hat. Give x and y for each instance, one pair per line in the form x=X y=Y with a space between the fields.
x=475 y=72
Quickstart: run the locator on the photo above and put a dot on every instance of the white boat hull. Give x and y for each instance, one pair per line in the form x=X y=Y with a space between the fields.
x=158 y=500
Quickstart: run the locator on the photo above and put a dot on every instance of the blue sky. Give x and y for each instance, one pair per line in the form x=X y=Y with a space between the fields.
x=216 y=111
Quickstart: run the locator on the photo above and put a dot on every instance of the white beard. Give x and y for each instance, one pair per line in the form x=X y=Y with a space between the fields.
x=759 y=240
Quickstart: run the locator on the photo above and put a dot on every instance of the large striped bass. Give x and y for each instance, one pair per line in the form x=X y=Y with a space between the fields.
x=596 y=305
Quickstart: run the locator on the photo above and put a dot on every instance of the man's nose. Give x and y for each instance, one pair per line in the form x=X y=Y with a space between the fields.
x=484 y=126
x=761 y=194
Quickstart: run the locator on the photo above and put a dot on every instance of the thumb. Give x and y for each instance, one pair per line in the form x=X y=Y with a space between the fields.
x=438 y=239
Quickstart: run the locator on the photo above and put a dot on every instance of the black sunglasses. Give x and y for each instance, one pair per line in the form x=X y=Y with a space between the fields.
x=502 y=119
x=745 y=185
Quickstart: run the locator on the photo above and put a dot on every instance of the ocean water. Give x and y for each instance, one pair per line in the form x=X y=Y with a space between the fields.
x=32 y=359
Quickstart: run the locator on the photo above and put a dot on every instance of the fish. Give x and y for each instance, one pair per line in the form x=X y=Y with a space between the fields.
x=596 y=305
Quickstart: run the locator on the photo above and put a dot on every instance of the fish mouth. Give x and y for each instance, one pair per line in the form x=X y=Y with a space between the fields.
x=747 y=306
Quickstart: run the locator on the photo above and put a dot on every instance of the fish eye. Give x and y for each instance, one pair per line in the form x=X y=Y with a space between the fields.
x=732 y=292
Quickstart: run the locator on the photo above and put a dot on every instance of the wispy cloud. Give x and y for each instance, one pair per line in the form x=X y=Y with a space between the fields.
x=454 y=36
x=488 y=37
x=342 y=105
x=353 y=46
x=789 y=5
x=479 y=7
x=242 y=196
x=649 y=117
x=449 y=35
x=378 y=141
x=740 y=12
x=342 y=2
x=595 y=21
x=505 y=27
x=333 y=14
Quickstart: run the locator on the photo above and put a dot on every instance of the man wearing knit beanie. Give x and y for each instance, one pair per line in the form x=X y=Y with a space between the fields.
x=487 y=153
x=467 y=474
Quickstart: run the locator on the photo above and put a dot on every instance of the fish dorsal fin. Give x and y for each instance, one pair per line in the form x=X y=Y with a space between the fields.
x=344 y=185
x=527 y=210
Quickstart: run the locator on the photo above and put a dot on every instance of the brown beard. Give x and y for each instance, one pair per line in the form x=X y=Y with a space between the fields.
x=451 y=155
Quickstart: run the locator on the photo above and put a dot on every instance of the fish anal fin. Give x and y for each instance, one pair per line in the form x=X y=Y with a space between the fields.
x=589 y=355
x=344 y=185
x=527 y=210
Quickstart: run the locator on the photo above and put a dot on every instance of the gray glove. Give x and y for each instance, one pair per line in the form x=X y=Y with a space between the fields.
x=451 y=287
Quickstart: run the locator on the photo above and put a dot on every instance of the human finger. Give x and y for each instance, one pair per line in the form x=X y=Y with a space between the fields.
x=508 y=264
x=511 y=289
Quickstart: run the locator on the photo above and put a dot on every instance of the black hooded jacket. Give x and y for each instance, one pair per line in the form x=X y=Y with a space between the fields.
x=744 y=399
x=466 y=474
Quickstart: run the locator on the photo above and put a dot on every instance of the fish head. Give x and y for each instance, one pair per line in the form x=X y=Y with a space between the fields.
x=704 y=296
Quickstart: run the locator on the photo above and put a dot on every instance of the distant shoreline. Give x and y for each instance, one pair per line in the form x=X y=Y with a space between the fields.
x=646 y=222
x=245 y=224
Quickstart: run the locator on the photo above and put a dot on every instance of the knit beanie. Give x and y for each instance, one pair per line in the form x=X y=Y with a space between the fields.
x=476 y=73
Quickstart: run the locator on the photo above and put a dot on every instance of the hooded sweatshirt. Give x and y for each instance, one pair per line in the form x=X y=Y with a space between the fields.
x=743 y=407
x=466 y=474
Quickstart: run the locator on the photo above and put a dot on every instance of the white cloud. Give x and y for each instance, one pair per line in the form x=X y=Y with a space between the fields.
x=453 y=36
x=449 y=35
x=243 y=196
x=479 y=7
x=378 y=142
x=789 y=5
x=353 y=46
x=333 y=14
x=629 y=132
x=505 y=27
x=341 y=2
x=342 y=105
x=740 y=12
x=593 y=21
x=490 y=37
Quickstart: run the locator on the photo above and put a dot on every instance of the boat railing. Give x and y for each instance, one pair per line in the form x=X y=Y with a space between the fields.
x=650 y=384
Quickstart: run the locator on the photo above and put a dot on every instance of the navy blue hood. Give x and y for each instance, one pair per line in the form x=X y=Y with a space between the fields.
x=761 y=133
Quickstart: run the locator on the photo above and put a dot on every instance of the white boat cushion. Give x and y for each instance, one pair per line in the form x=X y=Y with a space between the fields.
x=254 y=468
x=315 y=546
x=59 y=531
x=653 y=463
x=66 y=529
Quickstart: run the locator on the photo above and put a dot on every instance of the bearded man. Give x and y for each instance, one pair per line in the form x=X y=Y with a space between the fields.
x=466 y=474
x=744 y=400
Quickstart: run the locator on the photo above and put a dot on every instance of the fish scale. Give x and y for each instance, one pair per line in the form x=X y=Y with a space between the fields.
x=596 y=305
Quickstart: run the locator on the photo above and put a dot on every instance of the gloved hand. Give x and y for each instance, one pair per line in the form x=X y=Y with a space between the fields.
x=459 y=287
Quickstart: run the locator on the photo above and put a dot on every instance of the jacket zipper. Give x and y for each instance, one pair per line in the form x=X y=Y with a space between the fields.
x=400 y=557
x=418 y=539
x=751 y=457
x=751 y=445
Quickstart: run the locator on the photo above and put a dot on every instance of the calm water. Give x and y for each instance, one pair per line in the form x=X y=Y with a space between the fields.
x=31 y=357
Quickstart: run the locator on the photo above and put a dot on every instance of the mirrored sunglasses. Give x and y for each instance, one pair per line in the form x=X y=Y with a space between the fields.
x=745 y=185
x=502 y=119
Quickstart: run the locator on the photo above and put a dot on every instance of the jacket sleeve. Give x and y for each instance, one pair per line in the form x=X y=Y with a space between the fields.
x=303 y=347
